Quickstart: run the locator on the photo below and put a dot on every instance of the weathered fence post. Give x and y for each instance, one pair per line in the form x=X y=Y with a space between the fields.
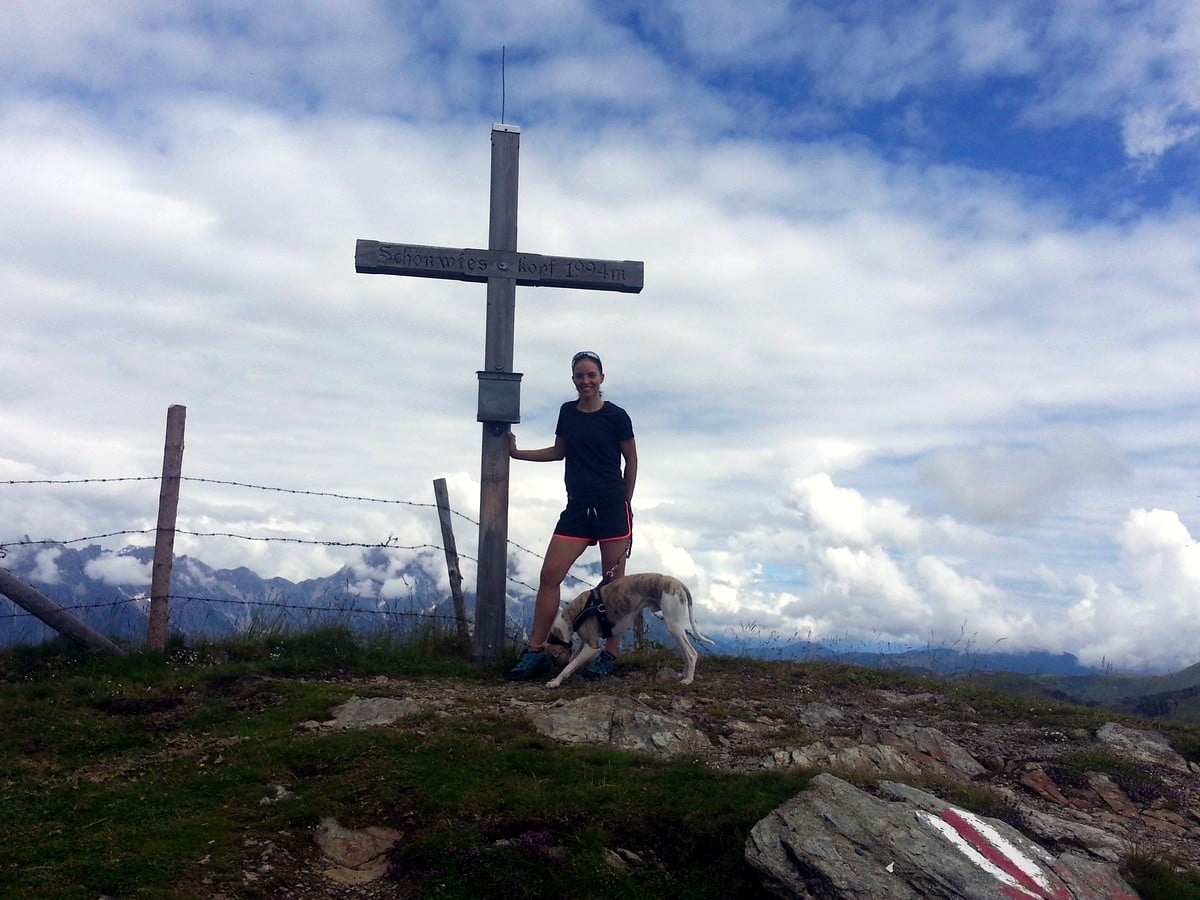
x=164 y=540
x=37 y=604
x=460 y=609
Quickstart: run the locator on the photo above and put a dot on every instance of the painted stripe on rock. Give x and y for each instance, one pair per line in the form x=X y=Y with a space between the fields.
x=1022 y=878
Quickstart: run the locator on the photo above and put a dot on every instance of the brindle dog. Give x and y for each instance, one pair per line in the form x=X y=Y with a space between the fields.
x=610 y=610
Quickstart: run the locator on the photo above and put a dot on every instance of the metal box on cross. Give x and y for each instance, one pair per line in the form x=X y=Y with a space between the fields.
x=499 y=397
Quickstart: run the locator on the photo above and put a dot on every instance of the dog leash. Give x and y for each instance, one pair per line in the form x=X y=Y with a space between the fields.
x=608 y=576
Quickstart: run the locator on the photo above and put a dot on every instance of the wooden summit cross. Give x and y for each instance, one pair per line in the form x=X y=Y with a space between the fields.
x=502 y=267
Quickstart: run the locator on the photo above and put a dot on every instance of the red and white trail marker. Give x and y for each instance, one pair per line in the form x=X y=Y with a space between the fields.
x=1020 y=877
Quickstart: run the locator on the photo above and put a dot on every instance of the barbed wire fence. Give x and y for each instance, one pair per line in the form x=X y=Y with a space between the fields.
x=282 y=611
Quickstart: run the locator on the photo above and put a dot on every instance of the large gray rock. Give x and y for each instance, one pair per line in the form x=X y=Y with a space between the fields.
x=900 y=750
x=1141 y=746
x=1064 y=833
x=836 y=841
x=358 y=856
x=371 y=712
x=601 y=719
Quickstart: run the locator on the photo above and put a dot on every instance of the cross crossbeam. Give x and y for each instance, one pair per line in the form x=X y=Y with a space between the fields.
x=528 y=269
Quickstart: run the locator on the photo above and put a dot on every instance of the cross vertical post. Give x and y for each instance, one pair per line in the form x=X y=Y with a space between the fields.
x=502 y=267
x=488 y=641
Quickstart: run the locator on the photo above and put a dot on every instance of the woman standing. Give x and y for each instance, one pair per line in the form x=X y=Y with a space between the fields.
x=594 y=437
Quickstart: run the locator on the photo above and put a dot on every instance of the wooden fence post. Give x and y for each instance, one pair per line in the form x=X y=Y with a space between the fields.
x=460 y=609
x=38 y=604
x=164 y=541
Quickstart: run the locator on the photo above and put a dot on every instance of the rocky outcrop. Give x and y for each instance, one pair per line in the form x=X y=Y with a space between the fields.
x=834 y=840
x=1066 y=804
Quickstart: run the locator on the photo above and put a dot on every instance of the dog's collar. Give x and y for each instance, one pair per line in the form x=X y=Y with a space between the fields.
x=557 y=641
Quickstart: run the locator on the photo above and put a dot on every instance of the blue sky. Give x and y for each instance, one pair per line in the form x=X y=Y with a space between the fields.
x=915 y=358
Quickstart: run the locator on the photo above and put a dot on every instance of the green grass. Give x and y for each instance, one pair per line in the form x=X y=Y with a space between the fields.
x=1156 y=878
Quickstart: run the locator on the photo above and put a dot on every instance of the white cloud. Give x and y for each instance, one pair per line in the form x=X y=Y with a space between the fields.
x=875 y=568
x=1139 y=64
x=1153 y=624
x=46 y=569
x=869 y=581
x=1150 y=132
x=118 y=570
x=984 y=612
x=840 y=515
x=1136 y=66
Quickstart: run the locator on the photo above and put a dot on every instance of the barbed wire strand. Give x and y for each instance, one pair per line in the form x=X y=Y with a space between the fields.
x=81 y=480
x=389 y=544
x=241 y=484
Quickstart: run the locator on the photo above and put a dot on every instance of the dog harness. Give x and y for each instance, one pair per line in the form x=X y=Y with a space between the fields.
x=594 y=606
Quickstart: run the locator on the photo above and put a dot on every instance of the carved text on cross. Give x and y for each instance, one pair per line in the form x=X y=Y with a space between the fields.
x=528 y=269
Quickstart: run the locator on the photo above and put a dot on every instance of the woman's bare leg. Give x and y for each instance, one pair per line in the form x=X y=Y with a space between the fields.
x=612 y=564
x=560 y=556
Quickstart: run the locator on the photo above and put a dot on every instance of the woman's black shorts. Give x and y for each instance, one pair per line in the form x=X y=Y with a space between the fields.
x=583 y=521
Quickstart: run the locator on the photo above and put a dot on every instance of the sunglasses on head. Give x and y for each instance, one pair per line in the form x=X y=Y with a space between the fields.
x=584 y=354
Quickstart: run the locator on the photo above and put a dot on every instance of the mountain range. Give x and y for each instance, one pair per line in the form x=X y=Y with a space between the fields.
x=110 y=592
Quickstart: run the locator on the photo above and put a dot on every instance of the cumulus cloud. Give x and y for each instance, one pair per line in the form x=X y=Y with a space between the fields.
x=869 y=582
x=1154 y=621
x=841 y=515
x=875 y=567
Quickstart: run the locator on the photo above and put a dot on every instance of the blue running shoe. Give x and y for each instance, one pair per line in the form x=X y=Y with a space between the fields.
x=602 y=665
x=531 y=664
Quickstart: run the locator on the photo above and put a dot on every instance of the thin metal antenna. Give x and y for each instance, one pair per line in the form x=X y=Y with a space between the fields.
x=503 y=86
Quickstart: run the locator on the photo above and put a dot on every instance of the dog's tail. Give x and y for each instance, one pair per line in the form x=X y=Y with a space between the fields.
x=692 y=621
